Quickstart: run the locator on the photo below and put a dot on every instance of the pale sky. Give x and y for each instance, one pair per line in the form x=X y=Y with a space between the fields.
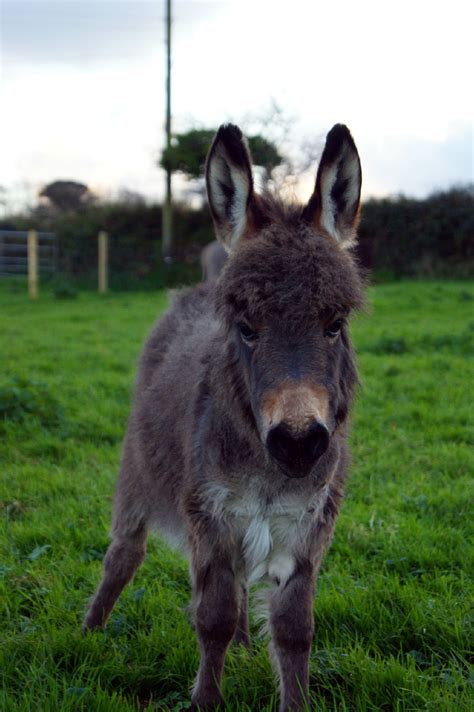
x=82 y=85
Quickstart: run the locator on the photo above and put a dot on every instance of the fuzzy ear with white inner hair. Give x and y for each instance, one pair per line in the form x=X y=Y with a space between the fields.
x=229 y=184
x=334 y=205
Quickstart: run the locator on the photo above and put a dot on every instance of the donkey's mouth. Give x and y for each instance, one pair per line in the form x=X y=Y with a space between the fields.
x=295 y=471
x=296 y=455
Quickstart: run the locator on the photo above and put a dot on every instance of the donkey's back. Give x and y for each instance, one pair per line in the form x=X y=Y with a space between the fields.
x=184 y=330
x=170 y=376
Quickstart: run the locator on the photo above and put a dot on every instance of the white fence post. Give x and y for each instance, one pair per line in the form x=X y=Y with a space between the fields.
x=33 y=264
x=103 y=262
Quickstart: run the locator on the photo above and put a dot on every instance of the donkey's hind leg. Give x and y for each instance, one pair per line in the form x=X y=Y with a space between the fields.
x=124 y=556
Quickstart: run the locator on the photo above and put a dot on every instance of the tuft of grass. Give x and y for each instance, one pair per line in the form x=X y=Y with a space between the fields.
x=63 y=289
x=393 y=610
x=24 y=398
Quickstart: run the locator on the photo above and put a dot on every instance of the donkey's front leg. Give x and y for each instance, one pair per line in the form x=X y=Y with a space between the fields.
x=292 y=626
x=216 y=609
x=242 y=633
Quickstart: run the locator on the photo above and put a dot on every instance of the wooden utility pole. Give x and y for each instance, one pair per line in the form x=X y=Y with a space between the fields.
x=103 y=260
x=33 y=264
x=167 y=217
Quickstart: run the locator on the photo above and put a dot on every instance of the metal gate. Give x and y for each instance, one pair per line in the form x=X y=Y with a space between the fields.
x=14 y=252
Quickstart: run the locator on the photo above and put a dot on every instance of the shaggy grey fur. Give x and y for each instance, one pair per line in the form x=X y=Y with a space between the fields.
x=236 y=448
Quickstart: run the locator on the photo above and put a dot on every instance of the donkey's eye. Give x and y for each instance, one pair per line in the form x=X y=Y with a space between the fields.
x=246 y=332
x=334 y=328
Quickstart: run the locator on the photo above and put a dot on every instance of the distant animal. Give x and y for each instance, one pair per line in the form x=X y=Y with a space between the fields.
x=236 y=448
x=213 y=258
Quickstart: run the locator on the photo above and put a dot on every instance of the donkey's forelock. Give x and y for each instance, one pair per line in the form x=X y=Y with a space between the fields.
x=291 y=273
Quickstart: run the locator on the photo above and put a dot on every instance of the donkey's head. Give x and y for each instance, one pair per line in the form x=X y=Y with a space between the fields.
x=286 y=294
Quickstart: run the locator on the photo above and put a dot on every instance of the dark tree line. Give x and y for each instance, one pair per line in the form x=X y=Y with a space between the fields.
x=407 y=237
x=398 y=237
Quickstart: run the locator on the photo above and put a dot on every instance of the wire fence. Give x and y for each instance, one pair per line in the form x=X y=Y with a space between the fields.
x=36 y=255
x=14 y=252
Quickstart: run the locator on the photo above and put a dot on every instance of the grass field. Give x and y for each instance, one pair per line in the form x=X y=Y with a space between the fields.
x=394 y=615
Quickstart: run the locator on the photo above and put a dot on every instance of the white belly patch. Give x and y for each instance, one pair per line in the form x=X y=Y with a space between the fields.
x=256 y=547
x=271 y=536
x=269 y=546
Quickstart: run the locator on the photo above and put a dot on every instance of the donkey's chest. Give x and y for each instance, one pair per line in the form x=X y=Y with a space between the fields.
x=270 y=535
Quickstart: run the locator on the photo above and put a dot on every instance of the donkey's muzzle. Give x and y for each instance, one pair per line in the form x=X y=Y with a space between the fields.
x=296 y=452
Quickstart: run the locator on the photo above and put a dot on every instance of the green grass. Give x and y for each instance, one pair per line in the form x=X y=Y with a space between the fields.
x=394 y=616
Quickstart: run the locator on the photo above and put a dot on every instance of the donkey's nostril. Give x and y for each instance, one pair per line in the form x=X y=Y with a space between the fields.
x=318 y=439
x=280 y=442
x=297 y=452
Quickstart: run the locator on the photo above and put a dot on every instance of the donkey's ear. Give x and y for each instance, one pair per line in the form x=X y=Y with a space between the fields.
x=230 y=185
x=334 y=205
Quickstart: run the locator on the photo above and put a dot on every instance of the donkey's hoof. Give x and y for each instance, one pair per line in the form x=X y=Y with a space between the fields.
x=206 y=703
x=87 y=628
x=90 y=624
x=242 y=638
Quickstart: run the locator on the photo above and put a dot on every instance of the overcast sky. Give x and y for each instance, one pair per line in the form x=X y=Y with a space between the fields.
x=82 y=85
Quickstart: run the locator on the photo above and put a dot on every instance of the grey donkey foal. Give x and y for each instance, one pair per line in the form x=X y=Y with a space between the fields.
x=236 y=447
